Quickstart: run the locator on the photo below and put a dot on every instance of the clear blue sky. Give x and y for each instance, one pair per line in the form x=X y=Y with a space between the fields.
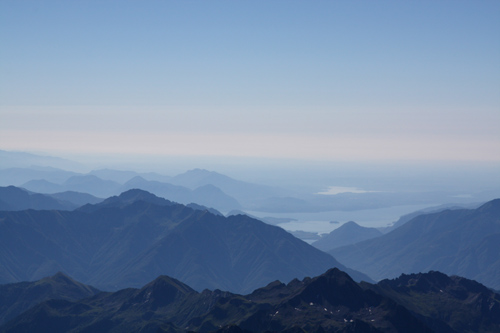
x=349 y=80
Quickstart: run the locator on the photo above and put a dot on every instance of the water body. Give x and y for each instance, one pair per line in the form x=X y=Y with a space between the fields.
x=322 y=222
x=333 y=190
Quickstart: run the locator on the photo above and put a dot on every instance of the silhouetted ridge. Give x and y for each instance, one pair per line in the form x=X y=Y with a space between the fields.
x=331 y=302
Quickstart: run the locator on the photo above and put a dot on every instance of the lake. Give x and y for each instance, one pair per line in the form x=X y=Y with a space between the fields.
x=321 y=222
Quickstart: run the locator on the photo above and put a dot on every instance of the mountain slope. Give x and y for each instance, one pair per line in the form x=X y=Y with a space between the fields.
x=128 y=240
x=461 y=242
x=16 y=298
x=346 y=234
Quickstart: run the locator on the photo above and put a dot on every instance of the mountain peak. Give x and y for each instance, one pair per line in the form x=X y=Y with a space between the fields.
x=348 y=233
x=198 y=177
x=162 y=291
x=333 y=287
x=126 y=198
x=59 y=276
x=197 y=170
x=350 y=224
x=165 y=281
x=198 y=174
x=136 y=179
x=136 y=194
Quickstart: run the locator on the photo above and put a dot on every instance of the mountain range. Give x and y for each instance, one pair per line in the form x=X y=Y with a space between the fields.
x=332 y=302
x=229 y=193
x=463 y=242
x=130 y=239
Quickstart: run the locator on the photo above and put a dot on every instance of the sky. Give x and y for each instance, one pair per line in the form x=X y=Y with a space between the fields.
x=306 y=80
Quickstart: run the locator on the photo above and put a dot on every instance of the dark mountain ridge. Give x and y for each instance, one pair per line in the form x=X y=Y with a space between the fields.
x=330 y=302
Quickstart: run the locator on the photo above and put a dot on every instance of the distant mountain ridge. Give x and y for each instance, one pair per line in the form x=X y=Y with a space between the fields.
x=130 y=239
x=463 y=242
x=14 y=198
x=206 y=195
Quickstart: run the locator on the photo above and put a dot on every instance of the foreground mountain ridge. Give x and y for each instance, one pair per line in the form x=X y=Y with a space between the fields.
x=330 y=302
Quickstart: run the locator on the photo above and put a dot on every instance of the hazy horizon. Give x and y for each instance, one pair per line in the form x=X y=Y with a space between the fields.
x=286 y=80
